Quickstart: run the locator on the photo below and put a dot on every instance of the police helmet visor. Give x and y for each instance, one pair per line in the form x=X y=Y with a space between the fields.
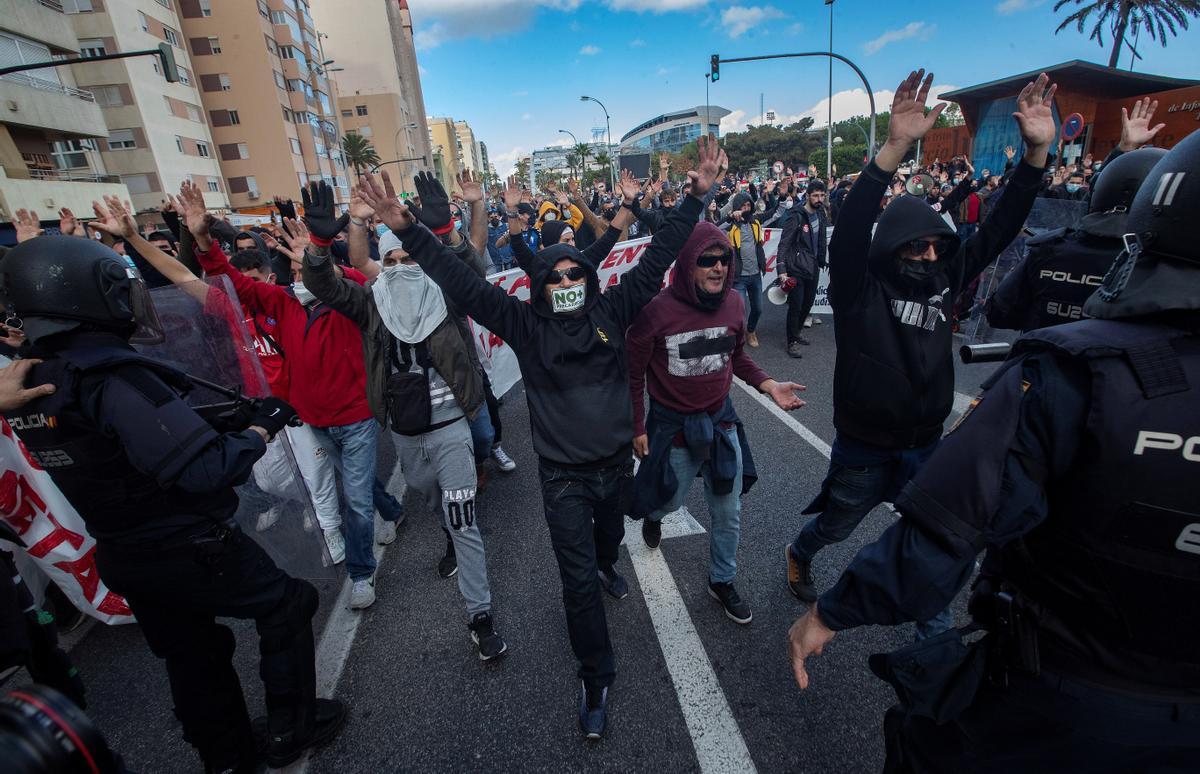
x=149 y=329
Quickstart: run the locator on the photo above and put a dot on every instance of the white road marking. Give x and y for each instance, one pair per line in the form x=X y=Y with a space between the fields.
x=813 y=439
x=961 y=402
x=715 y=734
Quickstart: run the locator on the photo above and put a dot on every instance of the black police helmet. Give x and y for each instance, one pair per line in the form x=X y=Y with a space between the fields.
x=58 y=283
x=1113 y=190
x=1160 y=268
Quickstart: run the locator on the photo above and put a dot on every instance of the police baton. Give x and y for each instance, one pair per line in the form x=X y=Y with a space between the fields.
x=984 y=353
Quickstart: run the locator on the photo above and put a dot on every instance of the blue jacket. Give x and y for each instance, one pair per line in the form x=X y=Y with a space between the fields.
x=656 y=482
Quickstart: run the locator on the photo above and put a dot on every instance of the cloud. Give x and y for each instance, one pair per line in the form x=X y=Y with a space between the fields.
x=739 y=19
x=438 y=21
x=637 y=43
x=655 y=6
x=507 y=162
x=589 y=50
x=1013 y=6
x=520 y=94
x=795 y=29
x=734 y=122
x=526 y=116
x=919 y=30
x=850 y=103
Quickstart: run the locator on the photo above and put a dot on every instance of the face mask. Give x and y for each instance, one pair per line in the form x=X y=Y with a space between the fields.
x=303 y=294
x=568 y=299
x=916 y=271
x=1073 y=187
x=457 y=223
x=381 y=229
x=957 y=180
x=786 y=204
x=550 y=216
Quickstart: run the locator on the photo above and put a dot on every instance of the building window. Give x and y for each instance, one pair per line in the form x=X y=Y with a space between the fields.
x=77 y=6
x=226 y=85
x=295 y=145
x=184 y=76
x=92 y=47
x=213 y=185
x=121 y=139
x=179 y=144
x=171 y=36
x=360 y=110
x=365 y=131
x=143 y=22
x=195 y=114
x=71 y=154
x=205 y=9
x=347 y=113
x=263 y=9
x=280 y=81
x=303 y=178
x=108 y=96
x=243 y=150
x=234 y=119
x=272 y=46
x=202 y=148
x=137 y=184
x=287 y=116
x=252 y=185
x=214 y=45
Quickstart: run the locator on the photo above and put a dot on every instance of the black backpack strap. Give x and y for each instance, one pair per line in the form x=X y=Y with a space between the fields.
x=270 y=339
x=1158 y=369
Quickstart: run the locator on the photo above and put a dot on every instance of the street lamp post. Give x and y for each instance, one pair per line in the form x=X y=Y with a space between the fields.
x=612 y=175
x=575 y=140
x=829 y=119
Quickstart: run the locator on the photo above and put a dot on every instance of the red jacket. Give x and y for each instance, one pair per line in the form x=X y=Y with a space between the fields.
x=324 y=360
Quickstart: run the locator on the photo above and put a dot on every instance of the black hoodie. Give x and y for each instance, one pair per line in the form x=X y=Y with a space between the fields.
x=893 y=383
x=574 y=366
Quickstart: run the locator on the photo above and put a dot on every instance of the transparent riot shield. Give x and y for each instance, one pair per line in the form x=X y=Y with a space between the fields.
x=209 y=337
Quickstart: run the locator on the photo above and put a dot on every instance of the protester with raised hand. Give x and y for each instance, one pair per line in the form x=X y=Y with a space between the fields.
x=570 y=343
x=891 y=293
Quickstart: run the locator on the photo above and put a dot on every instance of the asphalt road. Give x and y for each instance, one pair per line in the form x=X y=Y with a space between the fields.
x=421 y=701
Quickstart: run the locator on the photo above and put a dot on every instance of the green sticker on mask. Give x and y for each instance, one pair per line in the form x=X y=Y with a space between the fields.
x=568 y=299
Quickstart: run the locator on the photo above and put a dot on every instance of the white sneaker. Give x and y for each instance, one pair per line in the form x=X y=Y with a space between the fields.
x=362 y=595
x=808 y=321
x=385 y=532
x=336 y=545
x=505 y=462
x=267 y=518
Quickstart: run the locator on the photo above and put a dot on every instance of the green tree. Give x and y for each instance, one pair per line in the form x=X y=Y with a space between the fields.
x=1119 y=17
x=847 y=158
x=359 y=152
x=522 y=172
x=583 y=151
x=573 y=162
x=604 y=161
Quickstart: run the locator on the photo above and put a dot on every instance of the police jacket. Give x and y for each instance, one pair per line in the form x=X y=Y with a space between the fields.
x=1075 y=472
x=893 y=382
x=1061 y=270
x=120 y=442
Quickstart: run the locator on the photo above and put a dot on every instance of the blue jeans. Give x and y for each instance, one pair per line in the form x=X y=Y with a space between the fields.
x=860 y=479
x=390 y=509
x=724 y=510
x=750 y=287
x=482 y=434
x=352 y=449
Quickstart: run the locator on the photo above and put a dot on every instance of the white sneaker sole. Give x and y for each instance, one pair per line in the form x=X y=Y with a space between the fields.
x=728 y=614
x=475 y=639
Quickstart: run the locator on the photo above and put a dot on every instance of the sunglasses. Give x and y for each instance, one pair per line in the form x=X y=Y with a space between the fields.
x=921 y=246
x=708 y=261
x=575 y=273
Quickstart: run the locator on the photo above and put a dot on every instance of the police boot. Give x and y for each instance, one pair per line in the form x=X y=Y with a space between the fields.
x=302 y=727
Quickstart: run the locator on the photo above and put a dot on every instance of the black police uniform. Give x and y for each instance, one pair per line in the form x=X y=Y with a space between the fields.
x=1076 y=471
x=1063 y=268
x=154 y=484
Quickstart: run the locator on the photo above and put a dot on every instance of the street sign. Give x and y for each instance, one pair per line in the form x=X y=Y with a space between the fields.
x=778 y=167
x=1072 y=127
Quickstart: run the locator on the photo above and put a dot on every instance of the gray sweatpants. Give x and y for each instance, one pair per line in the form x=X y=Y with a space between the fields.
x=441 y=466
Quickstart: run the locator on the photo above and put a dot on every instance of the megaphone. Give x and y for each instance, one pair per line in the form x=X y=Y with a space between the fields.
x=919 y=185
x=777 y=294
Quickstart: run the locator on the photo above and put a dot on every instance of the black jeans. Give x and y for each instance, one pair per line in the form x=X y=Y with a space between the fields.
x=176 y=593
x=799 y=304
x=585 y=511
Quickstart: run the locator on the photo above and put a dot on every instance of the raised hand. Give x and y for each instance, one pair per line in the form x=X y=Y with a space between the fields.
x=192 y=209
x=113 y=218
x=628 y=186
x=1009 y=152
x=27 y=225
x=563 y=202
x=67 y=222
x=381 y=197
x=296 y=237
x=909 y=122
x=471 y=188
x=434 y=211
x=358 y=208
x=1135 y=126
x=1035 y=118
x=319 y=216
x=512 y=196
x=573 y=187
x=711 y=164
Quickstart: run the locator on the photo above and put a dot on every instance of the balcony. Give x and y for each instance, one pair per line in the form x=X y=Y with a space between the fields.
x=48 y=105
x=49 y=190
x=40 y=20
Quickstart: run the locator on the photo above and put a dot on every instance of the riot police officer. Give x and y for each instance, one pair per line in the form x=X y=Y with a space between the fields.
x=1064 y=266
x=1077 y=471
x=155 y=484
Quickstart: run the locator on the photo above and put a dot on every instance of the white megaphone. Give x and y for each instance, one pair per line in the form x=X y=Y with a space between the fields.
x=776 y=294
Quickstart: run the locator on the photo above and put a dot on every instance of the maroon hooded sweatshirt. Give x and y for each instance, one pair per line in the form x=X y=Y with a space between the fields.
x=686 y=354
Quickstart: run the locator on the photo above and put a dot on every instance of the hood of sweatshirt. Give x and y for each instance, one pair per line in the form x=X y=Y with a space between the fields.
x=259 y=242
x=905 y=219
x=704 y=236
x=544 y=263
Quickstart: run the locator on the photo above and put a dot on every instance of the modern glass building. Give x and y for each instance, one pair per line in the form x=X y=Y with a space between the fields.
x=671 y=131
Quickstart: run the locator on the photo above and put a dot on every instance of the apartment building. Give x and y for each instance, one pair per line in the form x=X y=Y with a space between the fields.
x=158 y=133
x=448 y=156
x=268 y=98
x=471 y=158
x=371 y=44
x=49 y=127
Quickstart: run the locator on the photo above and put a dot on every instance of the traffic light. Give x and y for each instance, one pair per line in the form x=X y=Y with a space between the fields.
x=170 y=69
x=716 y=67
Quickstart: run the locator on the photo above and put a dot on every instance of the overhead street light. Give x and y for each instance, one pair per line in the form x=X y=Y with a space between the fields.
x=612 y=175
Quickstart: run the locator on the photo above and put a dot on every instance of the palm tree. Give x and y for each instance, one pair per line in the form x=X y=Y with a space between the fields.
x=359 y=152
x=573 y=161
x=1157 y=17
x=583 y=151
x=603 y=160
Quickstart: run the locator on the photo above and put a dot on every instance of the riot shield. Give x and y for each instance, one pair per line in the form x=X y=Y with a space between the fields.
x=208 y=336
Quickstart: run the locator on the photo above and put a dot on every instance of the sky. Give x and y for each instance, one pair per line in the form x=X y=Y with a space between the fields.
x=515 y=69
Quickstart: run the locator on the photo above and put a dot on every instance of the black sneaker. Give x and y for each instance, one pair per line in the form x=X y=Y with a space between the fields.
x=799 y=577
x=736 y=608
x=803 y=341
x=613 y=583
x=448 y=565
x=484 y=636
x=593 y=714
x=287 y=746
x=651 y=532
x=794 y=349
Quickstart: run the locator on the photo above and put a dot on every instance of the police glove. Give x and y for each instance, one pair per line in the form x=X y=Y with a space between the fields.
x=323 y=224
x=273 y=415
x=434 y=211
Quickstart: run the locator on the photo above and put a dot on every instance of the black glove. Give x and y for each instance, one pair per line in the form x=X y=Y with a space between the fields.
x=273 y=415
x=318 y=212
x=434 y=211
x=287 y=209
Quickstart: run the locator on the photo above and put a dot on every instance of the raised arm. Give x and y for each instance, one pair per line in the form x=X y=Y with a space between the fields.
x=116 y=219
x=358 y=239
